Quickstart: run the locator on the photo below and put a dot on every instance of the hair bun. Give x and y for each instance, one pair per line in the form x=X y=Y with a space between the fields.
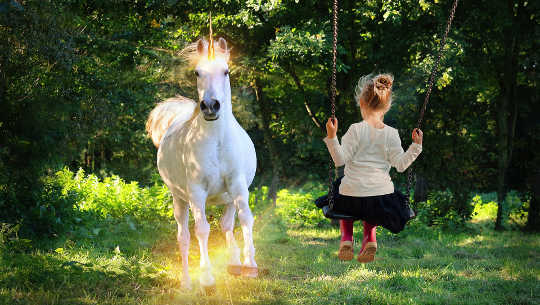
x=383 y=82
x=374 y=92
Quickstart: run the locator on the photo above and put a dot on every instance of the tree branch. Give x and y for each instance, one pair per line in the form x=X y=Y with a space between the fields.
x=292 y=73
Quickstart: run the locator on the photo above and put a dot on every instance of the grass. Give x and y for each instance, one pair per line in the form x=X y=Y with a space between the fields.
x=125 y=262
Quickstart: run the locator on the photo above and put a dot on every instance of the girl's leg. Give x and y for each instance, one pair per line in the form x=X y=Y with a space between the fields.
x=369 y=244
x=346 y=252
x=370 y=232
x=346 y=227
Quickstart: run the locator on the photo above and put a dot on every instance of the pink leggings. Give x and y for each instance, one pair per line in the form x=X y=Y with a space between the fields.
x=346 y=227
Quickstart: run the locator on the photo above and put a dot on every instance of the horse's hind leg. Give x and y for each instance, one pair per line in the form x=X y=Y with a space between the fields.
x=181 y=214
x=234 y=266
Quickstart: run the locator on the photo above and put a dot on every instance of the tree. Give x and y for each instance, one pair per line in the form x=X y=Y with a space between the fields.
x=502 y=60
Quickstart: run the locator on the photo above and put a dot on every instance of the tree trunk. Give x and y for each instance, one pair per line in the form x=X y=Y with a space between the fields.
x=4 y=80
x=533 y=217
x=420 y=189
x=267 y=134
x=502 y=165
x=506 y=111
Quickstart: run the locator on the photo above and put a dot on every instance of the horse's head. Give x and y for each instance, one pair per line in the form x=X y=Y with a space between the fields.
x=212 y=74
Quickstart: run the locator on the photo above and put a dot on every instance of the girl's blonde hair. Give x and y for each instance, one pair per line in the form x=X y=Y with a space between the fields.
x=374 y=92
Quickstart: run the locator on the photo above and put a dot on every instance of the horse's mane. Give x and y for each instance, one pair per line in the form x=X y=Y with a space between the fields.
x=192 y=56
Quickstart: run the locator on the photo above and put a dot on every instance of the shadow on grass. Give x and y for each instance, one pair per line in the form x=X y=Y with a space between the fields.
x=422 y=266
x=440 y=267
x=41 y=278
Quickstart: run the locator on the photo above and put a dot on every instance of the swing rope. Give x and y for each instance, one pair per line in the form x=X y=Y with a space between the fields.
x=333 y=98
x=434 y=72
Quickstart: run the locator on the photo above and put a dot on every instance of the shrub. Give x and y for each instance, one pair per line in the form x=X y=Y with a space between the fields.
x=55 y=207
x=485 y=208
x=258 y=200
x=514 y=207
x=10 y=240
x=42 y=210
x=443 y=208
x=113 y=197
x=63 y=199
x=297 y=208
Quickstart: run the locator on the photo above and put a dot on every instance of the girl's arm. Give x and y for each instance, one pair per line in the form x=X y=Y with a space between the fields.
x=397 y=157
x=344 y=152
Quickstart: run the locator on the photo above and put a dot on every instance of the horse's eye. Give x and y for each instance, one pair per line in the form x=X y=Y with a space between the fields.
x=226 y=72
x=197 y=73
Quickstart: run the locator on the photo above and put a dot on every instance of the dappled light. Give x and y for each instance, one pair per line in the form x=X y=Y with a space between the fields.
x=132 y=260
x=176 y=152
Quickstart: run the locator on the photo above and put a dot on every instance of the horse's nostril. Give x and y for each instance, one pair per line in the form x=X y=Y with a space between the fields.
x=216 y=106
x=203 y=105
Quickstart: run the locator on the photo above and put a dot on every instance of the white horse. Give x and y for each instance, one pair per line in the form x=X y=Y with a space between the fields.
x=206 y=157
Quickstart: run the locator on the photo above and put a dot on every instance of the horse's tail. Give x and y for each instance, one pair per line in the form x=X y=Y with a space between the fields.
x=177 y=109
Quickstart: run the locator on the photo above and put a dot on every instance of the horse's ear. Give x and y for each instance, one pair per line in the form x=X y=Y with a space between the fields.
x=201 y=46
x=222 y=43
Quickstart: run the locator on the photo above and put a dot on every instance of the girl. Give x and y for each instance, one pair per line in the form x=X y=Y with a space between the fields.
x=368 y=150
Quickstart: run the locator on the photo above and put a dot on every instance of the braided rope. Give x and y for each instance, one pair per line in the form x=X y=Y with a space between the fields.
x=434 y=73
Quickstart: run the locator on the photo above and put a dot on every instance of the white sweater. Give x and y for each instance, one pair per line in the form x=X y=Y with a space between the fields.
x=368 y=153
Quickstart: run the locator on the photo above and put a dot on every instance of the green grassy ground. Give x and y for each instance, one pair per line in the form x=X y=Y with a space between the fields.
x=122 y=263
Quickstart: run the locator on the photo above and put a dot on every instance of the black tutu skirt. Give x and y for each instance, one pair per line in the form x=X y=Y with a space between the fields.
x=391 y=211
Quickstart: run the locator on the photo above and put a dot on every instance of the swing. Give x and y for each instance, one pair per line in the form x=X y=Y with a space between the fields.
x=328 y=209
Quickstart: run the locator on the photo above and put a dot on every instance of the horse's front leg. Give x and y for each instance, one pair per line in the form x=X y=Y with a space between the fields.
x=234 y=266
x=181 y=214
x=240 y=194
x=202 y=229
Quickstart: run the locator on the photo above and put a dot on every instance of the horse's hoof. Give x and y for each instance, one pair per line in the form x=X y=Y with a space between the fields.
x=208 y=290
x=251 y=272
x=235 y=270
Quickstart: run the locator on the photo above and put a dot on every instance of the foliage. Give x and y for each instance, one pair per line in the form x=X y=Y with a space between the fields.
x=10 y=240
x=72 y=92
x=485 y=207
x=258 y=202
x=68 y=199
x=112 y=197
x=514 y=208
x=442 y=208
x=78 y=78
x=56 y=207
x=298 y=208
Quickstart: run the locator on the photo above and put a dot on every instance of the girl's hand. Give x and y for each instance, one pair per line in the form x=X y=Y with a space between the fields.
x=417 y=136
x=331 y=128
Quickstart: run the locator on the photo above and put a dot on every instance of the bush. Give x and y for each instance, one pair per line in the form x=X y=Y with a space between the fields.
x=485 y=207
x=64 y=199
x=112 y=197
x=42 y=210
x=10 y=241
x=297 y=208
x=515 y=206
x=258 y=200
x=55 y=208
x=444 y=209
